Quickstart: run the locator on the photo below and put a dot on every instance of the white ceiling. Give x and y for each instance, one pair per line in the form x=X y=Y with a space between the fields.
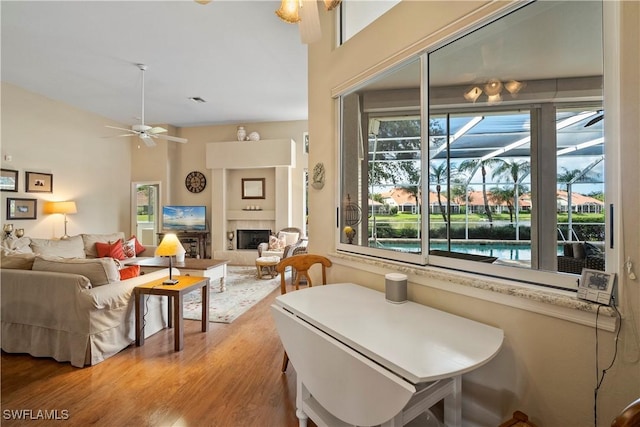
x=237 y=55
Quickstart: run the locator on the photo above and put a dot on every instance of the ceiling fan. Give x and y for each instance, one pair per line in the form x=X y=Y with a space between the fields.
x=145 y=132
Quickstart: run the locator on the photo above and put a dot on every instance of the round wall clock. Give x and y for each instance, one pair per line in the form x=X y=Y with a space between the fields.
x=195 y=181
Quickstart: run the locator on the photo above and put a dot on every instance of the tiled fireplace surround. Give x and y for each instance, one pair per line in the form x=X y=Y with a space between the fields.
x=232 y=161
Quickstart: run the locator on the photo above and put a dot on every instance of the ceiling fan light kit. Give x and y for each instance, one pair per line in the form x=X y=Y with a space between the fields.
x=288 y=11
x=147 y=133
x=493 y=89
x=305 y=13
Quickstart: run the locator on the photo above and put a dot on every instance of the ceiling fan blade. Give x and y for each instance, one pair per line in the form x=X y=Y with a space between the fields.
x=119 y=136
x=133 y=132
x=156 y=129
x=172 y=138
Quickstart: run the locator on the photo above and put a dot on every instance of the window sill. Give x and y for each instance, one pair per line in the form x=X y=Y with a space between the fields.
x=560 y=304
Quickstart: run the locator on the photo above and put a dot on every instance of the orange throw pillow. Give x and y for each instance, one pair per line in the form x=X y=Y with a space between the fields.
x=139 y=247
x=129 y=272
x=113 y=250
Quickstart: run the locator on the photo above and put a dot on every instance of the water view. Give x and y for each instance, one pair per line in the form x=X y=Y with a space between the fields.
x=506 y=251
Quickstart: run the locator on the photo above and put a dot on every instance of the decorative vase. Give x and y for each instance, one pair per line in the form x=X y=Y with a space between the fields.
x=254 y=136
x=242 y=134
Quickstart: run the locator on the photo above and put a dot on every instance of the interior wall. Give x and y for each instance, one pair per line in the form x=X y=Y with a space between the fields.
x=546 y=367
x=42 y=135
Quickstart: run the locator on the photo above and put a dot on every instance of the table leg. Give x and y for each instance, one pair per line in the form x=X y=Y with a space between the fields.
x=170 y=311
x=223 y=284
x=139 y=325
x=178 y=323
x=453 y=404
x=301 y=395
x=205 y=307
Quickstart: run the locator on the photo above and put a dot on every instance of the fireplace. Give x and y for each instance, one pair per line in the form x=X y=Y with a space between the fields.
x=250 y=239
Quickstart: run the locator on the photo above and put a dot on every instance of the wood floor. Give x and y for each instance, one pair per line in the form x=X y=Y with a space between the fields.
x=229 y=376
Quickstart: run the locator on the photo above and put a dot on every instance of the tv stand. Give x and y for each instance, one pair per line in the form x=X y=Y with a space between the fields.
x=194 y=242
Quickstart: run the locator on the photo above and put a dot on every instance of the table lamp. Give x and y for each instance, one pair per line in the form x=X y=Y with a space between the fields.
x=61 y=208
x=169 y=246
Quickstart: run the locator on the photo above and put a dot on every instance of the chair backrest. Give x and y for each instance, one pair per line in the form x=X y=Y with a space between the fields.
x=629 y=417
x=300 y=265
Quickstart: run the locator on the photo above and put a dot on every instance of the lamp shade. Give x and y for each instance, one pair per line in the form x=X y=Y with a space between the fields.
x=169 y=246
x=289 y=11
x=60 y=208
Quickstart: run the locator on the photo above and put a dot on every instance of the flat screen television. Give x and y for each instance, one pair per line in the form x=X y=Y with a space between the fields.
x=184 y=218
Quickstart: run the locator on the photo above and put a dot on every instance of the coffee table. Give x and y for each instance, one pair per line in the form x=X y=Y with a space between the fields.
x=174 y=293
x=203 y=267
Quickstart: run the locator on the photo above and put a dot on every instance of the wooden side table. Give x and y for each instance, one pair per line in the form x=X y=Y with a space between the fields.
x=174 y=293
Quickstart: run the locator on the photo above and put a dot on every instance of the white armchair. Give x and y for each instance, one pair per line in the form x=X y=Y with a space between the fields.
x=288 y=242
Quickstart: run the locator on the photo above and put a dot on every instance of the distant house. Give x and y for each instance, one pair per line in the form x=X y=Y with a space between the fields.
x=579 y=203
x=406 y=202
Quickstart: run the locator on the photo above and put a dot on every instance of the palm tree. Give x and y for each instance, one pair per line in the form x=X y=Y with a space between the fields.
x=515 y=171
x=471 y=166
x=438 y=174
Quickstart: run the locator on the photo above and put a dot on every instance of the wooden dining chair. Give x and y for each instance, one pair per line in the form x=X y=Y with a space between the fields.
x=300 y=265
x=629 y=417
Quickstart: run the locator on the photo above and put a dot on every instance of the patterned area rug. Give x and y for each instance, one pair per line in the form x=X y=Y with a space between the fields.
x=244 y=290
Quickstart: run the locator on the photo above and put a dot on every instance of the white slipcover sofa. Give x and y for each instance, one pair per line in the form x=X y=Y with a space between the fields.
x=74 y=309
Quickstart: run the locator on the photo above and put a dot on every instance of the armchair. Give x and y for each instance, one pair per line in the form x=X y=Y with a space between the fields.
x=294 y=243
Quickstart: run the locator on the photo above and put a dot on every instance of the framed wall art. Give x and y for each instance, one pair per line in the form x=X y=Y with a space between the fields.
x=22 y=208
x=37 y=182
x=596 y=286
x=253 y=188
x=9 y=180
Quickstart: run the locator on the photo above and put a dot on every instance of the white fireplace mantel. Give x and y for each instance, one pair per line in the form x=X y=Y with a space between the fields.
x=251 y=154
x=225 y=159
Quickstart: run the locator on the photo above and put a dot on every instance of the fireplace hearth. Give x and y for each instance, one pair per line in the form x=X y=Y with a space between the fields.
x=250 y=239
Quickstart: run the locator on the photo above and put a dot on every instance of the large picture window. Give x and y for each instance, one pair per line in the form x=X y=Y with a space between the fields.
x=509 y=171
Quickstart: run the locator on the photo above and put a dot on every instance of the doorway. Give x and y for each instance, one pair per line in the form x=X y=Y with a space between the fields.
x=146 y=211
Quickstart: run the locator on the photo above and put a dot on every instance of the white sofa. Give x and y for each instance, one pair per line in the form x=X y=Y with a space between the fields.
x=71 y=308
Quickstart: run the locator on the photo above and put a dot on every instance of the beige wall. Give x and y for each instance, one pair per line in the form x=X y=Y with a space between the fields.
x=42 y=135
x=546 y=367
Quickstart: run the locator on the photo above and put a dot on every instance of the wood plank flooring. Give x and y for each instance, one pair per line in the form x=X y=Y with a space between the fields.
x=229 y=376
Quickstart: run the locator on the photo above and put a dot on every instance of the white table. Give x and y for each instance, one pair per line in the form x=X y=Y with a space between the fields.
x=361 y=360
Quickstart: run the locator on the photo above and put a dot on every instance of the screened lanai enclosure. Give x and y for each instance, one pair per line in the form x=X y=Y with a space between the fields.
x=490 y=147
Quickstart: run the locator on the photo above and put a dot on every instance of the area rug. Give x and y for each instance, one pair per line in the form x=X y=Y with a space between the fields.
x=244 y=290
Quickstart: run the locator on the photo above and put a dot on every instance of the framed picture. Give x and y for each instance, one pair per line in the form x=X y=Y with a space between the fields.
x=253 y=188
x=596 y=286
x=9 y=180
x=22 y=208
x=37 y=182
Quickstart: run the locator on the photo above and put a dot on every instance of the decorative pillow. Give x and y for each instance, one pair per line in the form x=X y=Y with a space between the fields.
x=129 y=248
x=67 y=248
x=17 y=261
x=139 y=247
x=129 y=272
x=89 y=241
x=113 y=250
x=290 y=238
x=276 y=243
x=567 y=250
x=578 y=250
x=591 y=250
x=99 y=271
x=17 y=246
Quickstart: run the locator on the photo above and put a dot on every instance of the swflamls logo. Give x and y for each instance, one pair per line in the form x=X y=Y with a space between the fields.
x=35 y=414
